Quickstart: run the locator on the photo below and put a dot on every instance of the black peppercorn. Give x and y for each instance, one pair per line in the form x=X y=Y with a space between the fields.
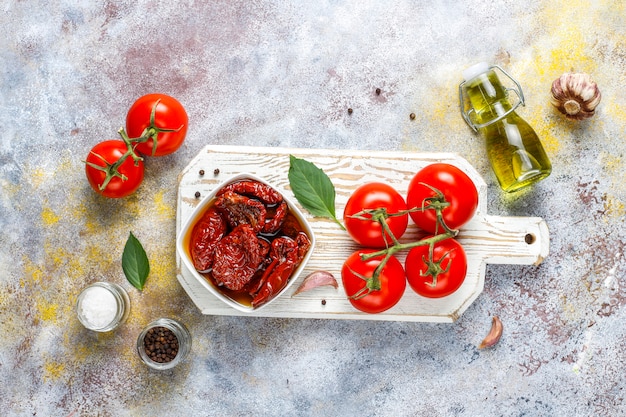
x=378 y=91
x=216 y=171
x=412 y=116
x=197 y=194
x=161 y=344
x=323 y=302
x=201 y=172
x=350 y=110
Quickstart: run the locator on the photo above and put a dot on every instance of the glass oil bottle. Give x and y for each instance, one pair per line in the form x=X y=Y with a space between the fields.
x=515 y=152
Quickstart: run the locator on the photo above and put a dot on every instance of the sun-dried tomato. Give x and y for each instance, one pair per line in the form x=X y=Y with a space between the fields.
x=248 y=242
x=304 y=243
x=204 y=237
x=255 y=189
x=290 y=227
x=275 y=217
x=284 y=256
x=239 y=209
x=237 y=257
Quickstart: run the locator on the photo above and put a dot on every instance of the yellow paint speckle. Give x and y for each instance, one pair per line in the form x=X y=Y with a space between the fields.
x=568 y=47
x=613 y=207
x=547 y=129
x=81 y=350
x=616 y=111
x=162 y=272
x=57 y=255
x=9 y=189
x=164 y=208
x=612 y=162
x=570 y=54
x=613 y=168
x=53 y=370
x=32 y=271
x=49 y=217
x=551 y=143
x=47 y=311
x=37 y=177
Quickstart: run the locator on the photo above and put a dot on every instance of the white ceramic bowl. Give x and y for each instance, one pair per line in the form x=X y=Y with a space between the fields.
x=182 y=243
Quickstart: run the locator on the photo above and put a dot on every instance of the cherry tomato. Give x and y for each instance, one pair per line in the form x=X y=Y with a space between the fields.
x=457 y=188
x=392 y=282
x=170 y=124
x=368 y=232
x=449 y=255
x=103 y=162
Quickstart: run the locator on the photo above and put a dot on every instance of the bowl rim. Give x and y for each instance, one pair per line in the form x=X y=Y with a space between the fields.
x=194 y=217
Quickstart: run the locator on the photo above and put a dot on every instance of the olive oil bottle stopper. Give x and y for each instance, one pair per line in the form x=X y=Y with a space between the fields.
x=515 y=152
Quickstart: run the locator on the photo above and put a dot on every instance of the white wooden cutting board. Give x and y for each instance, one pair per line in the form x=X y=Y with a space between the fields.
x=486 y=238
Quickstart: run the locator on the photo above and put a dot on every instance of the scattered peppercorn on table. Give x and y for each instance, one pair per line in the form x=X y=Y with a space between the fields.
x=367 y=91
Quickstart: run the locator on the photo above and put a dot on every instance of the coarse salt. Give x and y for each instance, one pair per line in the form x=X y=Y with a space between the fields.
x=98 y=307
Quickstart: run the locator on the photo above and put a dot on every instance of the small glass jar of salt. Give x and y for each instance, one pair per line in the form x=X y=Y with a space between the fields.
x=102 y=306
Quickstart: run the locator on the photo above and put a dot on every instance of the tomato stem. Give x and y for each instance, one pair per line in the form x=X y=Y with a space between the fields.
x=371 y=283
x=110 y=169
x=130 y=147
x=434 y=268
x=391 y=250
x=380 y=216
x=438 y=203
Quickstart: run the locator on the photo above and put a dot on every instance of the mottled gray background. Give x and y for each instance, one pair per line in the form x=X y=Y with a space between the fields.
x=276 y=73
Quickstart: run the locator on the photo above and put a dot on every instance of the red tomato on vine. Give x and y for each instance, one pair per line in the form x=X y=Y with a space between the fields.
x=454 y=186
x=440 y=275
x=362 y=227
x=368 y=293
x=112 y=171
x=162 y=122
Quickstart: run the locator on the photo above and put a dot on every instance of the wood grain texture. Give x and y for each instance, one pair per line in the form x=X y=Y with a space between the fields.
x=486 y=238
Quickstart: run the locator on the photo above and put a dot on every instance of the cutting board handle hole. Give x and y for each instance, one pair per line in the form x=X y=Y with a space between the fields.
x=530 y=238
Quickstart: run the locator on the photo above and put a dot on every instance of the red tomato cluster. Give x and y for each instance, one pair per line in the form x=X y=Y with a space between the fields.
x=156 y=125
x=376 y=217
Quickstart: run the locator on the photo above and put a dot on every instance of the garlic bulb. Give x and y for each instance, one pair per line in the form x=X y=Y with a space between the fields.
x=575 y=95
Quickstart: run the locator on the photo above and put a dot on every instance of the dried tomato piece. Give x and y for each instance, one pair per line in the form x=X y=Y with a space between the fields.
x=237 y=257
x=239 y=209
x=304 y=243
x=284 y=249
x=264 y=247
x=284 y=256
x=275 y=218
x=255 y=189
x=204 y=237
x=290 y=227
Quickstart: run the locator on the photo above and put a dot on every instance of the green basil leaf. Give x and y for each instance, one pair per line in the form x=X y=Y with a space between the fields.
x=135 y=262
x=312 y=188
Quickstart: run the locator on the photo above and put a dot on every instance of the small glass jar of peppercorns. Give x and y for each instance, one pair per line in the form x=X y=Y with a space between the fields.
x=164 y=343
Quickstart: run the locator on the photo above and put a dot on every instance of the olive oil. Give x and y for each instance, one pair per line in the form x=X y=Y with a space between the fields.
x=515 y=152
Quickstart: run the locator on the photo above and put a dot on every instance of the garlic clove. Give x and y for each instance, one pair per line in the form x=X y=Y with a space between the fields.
x=317 y=279
x=575 y=95
x=493 y=337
